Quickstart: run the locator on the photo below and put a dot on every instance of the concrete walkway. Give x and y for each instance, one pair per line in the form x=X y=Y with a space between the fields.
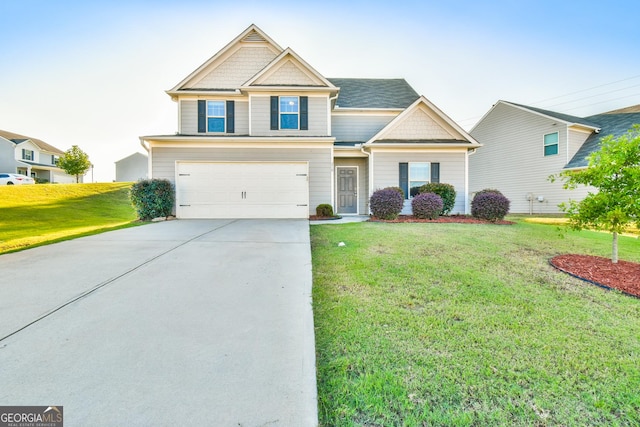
x=190 y=322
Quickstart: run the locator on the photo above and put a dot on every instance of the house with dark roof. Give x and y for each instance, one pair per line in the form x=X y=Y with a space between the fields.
x=261 y=133
x=32 y=157
x=523 y=146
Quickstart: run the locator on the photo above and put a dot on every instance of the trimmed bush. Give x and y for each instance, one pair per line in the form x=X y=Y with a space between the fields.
x=447 y=193
x=324 y=209
x=489 y=190
x=398 y=189
x=152 y=198
x=386 y=203
x=427 y=206
x=490 y=205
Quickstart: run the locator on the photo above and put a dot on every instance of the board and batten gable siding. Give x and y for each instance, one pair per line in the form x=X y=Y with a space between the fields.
x=318 y=113
x=512 y=159
x=363 y=181
x=320 y=163
x=452 y=170
x=239 y=67
x=189 y=117
x=359 y=128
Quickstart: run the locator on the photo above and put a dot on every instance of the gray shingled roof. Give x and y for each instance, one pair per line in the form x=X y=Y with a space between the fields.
x=559 y=116
x=610 y=124
x=374 y=93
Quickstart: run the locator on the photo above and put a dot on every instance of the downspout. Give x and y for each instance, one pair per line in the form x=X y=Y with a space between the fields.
x=466 y=180
x=370 y=175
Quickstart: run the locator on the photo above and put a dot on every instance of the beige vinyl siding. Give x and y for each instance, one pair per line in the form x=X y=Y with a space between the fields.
x=512 y=159
x=289 y=74
x=261 y=117
x=363 y=181
x=189 y=117
x=357 y=128
x=452 y=170
x=576 y=139
x=320 y=163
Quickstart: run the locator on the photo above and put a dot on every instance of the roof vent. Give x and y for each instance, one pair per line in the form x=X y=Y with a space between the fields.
x=253 y=36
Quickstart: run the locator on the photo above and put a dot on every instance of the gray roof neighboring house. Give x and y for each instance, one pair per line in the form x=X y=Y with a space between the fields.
x=560 y=116
x=18 y=139
x=374 y=93
x=615 y=124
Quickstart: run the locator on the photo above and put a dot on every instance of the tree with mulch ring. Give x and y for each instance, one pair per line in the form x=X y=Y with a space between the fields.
x=623 y=276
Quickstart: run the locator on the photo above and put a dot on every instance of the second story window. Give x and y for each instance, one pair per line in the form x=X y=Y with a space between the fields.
x=289 y=112
x=27 y=155
x=551 y=144
x=215 y=116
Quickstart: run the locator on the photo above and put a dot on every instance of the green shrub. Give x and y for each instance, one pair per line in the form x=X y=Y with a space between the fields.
x=386 y=203
x=447 y=193
x=427 y=205
x=152 y=198
x=324 y=209
x=490 y=205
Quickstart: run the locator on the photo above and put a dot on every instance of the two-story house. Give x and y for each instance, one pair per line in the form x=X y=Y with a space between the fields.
x=261 y=133
x=32 y=157
x=523 y=146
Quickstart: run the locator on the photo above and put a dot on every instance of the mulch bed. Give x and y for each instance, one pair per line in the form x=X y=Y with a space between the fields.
x=623 y=276
x=460 y=219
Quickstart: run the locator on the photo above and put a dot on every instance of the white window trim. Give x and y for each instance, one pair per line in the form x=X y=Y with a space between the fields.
x=223 y=117
x=409 y=175
x=280 y=112
x=544 y=145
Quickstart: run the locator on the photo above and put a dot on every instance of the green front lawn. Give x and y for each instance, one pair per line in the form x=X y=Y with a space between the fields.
x=32 y=215
x=468 y=325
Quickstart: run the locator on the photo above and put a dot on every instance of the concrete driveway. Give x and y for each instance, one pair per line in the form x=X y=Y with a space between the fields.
x=189 y=322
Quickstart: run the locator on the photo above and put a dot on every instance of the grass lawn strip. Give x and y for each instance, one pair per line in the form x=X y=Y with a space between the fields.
x=39 y=214
x=455 y=324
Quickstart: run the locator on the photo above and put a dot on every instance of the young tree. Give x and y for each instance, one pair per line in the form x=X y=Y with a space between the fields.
x=74 y=161
x=614 y=171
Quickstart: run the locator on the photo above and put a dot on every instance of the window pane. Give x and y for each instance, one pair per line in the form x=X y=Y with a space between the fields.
x=419 y=172
x=288 y=104
x=551 y=138
x=288 y=121
x=215 y=125
x=215 y=108
x=550 y=150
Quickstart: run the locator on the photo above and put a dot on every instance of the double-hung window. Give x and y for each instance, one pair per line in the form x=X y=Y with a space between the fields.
x=414 y=175
x=551 y=144
x=27 y=155
x=289 y=112
x=215 y=116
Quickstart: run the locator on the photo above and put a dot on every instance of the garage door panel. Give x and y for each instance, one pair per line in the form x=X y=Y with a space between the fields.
x=242 y=190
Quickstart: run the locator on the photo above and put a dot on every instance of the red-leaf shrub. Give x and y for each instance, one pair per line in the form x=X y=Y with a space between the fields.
x=386 y=203
x=427 y=205
x=490 y=205
x=447 y=193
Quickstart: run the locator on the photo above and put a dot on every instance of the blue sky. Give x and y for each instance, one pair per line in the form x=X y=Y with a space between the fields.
x=93 y=73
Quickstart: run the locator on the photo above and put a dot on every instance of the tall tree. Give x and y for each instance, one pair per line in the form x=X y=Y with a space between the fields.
x=74 y=161
x=614 y=171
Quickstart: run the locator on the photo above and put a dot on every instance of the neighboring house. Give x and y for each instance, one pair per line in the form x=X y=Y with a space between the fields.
x=30 y=156
x=523 y=146
x=132 y=168
x=263 y=134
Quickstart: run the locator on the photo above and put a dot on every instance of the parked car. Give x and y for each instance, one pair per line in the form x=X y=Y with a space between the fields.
x=15 y=178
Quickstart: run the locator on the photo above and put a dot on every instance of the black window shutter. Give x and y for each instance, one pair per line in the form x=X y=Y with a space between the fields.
x=435 y=172
x=202 y=116
x=304 y=113
x=274 y=113
x=404 y=179
x=23 y=154
x=231 y=117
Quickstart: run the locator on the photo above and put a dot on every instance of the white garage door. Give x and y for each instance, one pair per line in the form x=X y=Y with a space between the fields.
x=242 y=190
